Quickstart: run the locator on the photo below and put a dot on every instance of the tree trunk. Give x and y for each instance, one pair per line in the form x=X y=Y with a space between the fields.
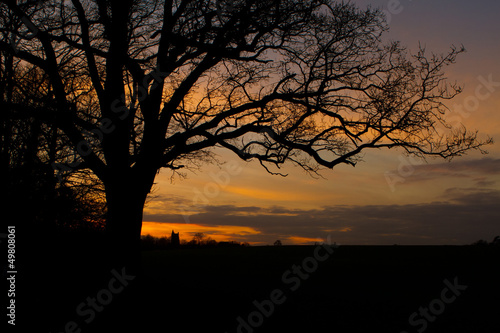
x=125 y=202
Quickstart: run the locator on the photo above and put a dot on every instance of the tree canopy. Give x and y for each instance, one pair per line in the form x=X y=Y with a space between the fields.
x=138 y=85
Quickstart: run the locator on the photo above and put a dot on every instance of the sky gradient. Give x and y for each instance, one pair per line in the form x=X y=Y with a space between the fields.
x=386 y=199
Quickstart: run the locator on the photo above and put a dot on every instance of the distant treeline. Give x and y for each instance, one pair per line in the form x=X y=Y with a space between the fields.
x=482 y=242
x=149 y=242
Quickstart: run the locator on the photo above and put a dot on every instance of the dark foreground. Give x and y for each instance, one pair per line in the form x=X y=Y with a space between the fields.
x=256 y=289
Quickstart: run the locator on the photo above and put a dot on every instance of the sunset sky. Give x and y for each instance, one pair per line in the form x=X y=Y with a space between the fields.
x=388 y=198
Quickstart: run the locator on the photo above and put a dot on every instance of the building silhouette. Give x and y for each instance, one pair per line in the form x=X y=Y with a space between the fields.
x=174 y=239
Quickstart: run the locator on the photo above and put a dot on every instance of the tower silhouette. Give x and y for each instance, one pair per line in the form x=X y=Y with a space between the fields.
x=174 y=240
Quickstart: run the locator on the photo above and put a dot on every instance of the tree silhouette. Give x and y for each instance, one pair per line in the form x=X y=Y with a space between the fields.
x=198 y=237
x=136 y=86
x=28 y=147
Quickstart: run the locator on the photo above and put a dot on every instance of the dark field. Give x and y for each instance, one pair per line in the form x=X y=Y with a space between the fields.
x=357 y=289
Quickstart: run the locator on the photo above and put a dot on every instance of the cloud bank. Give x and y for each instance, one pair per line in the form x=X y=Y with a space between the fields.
x=461 y=217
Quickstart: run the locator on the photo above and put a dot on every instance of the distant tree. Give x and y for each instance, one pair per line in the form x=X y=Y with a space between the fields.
x=198 y=237
x=480 y=242
x=210 y=242
x=277 y=243
x=163 y=242
x=496 y=241
x=140 y=85
x=148 y=242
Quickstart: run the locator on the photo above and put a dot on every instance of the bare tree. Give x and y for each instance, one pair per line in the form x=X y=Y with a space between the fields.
x=29 y=145
x=139 y=85
x=198 y=237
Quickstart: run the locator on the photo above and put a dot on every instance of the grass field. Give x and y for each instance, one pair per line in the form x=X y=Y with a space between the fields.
x=353 y=289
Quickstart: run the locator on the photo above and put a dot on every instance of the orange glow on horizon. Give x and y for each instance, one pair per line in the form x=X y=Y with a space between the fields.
x=304 y=240
x=266 y=194
x=186 y=231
